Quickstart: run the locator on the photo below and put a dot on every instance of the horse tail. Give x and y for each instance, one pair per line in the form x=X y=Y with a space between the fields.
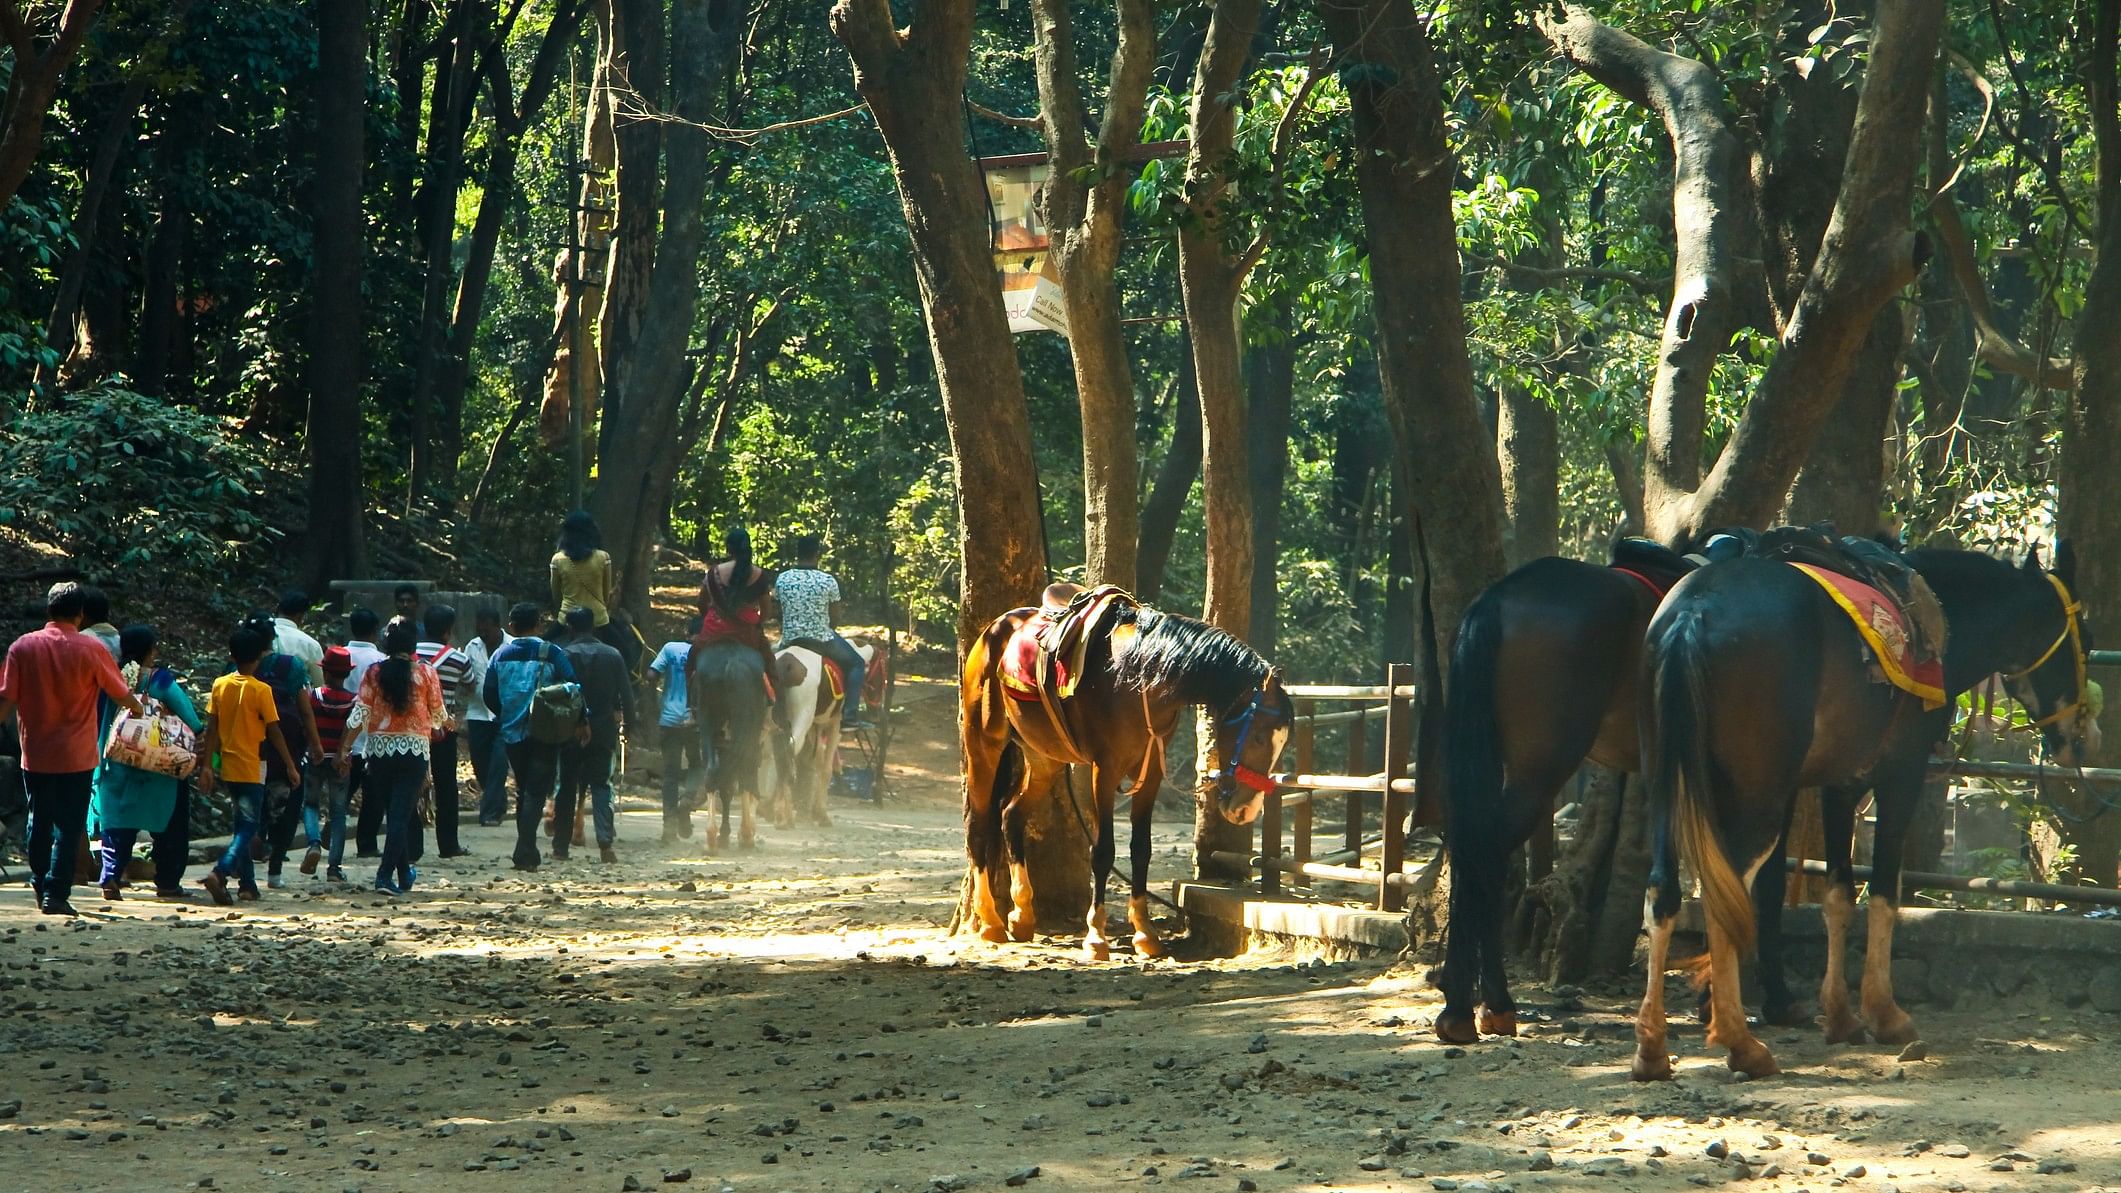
x=1680 y=790
x=1473 y=825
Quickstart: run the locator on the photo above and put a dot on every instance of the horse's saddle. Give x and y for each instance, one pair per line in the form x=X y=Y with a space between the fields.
x=1891 y=606
x=1048 y=652
x=1656 y=565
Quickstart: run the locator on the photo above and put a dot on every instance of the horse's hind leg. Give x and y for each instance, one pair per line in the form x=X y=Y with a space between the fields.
x=1770 y=885
x=1040 y=775
x=1103 y=788
x=985 y=761
x=1897 y=796
x=1660 y=912
x=1837 y=813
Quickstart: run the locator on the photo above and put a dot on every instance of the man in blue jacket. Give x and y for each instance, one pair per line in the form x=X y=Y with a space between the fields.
x=513 y=678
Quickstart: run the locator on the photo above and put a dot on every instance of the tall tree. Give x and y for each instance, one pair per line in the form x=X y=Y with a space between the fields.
x=913 y=81
x=1212 y=264
x=1086 y=197
x=32 y=80
x=337 y=370
x=638 y=452
x=1405 y=168
x=2090 y=514
x=1868 y=254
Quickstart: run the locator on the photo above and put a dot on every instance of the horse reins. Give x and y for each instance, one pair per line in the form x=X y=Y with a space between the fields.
x=1238 y=772
x=2074 y=636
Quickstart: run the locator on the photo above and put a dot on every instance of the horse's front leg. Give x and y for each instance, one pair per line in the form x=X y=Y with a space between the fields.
x=1143 y=803
x=1897 y=796
x=1104 y=789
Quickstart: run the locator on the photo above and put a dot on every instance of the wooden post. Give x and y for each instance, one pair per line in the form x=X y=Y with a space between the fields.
x=1354 y=798
x=1270 y=844
x=1306 y=747
x=1399 y=737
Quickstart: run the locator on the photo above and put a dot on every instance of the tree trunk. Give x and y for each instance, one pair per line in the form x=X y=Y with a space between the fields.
x=2090 y=513
x=337 y=372
x=1270 y=389
x=1085 y=217
x=1405 y=179
x=1212 y=275
x=33 y=79
x=1844 y=480
x=913 y=81
x=1866 y=255
x=1173 y=487
x=634 y=144
x=1528 y=446
x=638 y=449
x=159 y=299
x=435 y=216
x=497 y=190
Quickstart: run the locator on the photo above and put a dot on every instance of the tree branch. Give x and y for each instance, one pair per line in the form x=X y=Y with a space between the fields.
x=986 y=113
x=1997 y=350
x=73 y=27
x=1713 y=225
x=1278 y=150
x=866 y=29
x=1648 y=286
x=17 y=33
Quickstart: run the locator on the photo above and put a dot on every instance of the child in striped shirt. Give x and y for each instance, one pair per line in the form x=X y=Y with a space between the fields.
x=332 y=704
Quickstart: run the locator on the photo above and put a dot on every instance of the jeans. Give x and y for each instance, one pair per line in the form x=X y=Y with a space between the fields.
x=394 y=782
x=373 y=807
x=58 y=825
x=248 y=800
x=682 y=769
x=173 y=845
x=283 y=812
x=334 y=793
x=489 y=765
x=588 y=765
x=535 y=766
x=442 y=762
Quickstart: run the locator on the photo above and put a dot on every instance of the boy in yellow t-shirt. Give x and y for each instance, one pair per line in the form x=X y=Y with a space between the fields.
x=240 y=719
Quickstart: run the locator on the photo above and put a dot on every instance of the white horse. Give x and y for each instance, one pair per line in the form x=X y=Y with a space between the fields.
x=805 y=761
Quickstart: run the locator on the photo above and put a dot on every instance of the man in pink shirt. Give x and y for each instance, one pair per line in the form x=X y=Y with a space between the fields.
x=50 y=681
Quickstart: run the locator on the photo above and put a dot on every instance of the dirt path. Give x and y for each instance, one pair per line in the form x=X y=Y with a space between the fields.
x=794 y=1019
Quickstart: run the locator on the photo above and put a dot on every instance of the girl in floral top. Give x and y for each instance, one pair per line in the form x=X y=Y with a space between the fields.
x=400 y=705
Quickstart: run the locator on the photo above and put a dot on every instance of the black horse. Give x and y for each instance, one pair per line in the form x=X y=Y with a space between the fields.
x=1542 y=677
x=1754 y=685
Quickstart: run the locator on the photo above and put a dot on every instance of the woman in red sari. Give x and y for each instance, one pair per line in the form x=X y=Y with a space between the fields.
x=733 y=600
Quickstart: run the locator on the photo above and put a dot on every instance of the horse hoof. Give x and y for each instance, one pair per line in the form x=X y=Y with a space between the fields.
x=1146 y=945
x=1456 y=1029
x=1899 y=1029
x=1844 y=1029
x=1787 y=1015
x=1651 y=1068
x=1021 y=930
x=1754 y=1060
x=994 y=934
x=823 y=821
x=1498 y=1023
x=1097 y=950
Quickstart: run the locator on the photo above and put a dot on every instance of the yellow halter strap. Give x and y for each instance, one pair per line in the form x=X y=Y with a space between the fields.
x=2075 y=638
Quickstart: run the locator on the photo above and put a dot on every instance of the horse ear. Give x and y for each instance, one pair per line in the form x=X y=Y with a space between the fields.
x=2066 y=563
x=2032 y=558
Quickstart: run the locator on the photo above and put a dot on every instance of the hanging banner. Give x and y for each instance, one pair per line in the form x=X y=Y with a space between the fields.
x=1030 y=293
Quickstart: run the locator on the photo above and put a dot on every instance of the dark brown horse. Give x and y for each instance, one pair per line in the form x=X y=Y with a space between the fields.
x=1542 y=677
x=1754 y=684
x=1139 y=671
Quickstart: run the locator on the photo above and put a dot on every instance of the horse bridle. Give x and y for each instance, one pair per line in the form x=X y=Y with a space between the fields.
x=2074 y=636
x=1238 y=772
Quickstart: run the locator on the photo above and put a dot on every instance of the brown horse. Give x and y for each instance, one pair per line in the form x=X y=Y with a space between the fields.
x=1138 y=670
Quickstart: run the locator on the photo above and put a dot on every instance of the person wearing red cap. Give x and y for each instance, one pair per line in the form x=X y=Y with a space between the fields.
x=331 y=704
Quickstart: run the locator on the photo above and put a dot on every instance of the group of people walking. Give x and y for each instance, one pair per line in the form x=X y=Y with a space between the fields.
x=295 y=732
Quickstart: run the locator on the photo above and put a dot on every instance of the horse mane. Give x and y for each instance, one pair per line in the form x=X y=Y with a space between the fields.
x=1190 y=661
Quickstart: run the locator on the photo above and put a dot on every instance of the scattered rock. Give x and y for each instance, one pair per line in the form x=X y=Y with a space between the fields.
x=1717 y=1149
x=1021 y=1177
x=2053 y=1165
x=677 y=1176
x=1915 y=1051
x=1854 y=1172
x=1258 y=1044
x=1372 y=1164
x=1956 y=1151
x=632 y=1184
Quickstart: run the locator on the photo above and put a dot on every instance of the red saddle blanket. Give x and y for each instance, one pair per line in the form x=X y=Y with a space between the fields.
x=1884 y=627
x=1020 y=659
x=835 y=678
x=1050 y=647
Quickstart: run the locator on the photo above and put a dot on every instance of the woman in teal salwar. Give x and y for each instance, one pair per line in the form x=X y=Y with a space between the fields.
x=129 y=801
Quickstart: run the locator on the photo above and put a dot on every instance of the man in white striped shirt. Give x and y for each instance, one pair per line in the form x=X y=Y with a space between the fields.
x=453 y=668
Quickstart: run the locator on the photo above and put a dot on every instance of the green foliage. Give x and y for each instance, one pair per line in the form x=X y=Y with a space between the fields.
x=130 y=484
